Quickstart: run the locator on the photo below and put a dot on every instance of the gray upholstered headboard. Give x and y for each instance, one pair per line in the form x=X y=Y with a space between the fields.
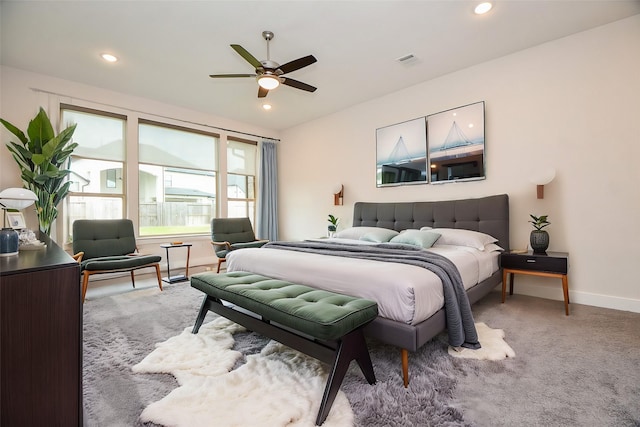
x=489 y=215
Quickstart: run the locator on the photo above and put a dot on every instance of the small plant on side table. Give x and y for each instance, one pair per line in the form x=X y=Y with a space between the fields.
x=539 y=238
x=333 y=225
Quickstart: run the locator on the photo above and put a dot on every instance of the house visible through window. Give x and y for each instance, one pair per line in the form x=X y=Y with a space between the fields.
x=177 y=179
x=96 y=167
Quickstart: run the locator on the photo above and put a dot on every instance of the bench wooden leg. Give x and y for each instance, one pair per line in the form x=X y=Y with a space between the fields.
x=204 y=309
x=352 y=346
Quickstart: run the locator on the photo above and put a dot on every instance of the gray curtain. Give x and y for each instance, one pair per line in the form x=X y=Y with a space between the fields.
x=267 y=215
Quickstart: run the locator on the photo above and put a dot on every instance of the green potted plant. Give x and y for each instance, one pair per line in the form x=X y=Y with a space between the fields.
x=539 y=238
x=41 y=154
x=333 y=225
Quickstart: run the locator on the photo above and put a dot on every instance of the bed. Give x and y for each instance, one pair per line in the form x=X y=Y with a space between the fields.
x=416 y=314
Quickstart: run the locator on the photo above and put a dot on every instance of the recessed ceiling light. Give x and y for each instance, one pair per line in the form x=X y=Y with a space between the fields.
x=108 y=57
x=483 y=8
x=266 y=106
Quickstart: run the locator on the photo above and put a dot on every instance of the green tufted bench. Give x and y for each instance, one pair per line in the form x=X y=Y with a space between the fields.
x=322 y=324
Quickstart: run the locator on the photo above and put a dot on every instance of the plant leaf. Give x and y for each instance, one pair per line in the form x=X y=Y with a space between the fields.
x=14 y=130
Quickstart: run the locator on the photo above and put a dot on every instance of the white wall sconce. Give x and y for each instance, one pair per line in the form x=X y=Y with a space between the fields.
x=542 y=177
x=338 y=195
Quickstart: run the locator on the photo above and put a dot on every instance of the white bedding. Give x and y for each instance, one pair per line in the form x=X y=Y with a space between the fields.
x=404 y=293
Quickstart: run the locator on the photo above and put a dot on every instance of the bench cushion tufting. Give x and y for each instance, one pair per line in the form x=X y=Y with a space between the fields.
x=320 y=314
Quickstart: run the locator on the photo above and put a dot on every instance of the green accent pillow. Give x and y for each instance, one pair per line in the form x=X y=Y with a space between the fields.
x=422 y=238
x=381 y=235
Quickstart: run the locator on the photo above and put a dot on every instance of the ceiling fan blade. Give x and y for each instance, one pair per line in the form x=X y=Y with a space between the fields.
x=298 y=85
x=217 y=76
x=262 y=92
x=246 y=55
x=297 y=64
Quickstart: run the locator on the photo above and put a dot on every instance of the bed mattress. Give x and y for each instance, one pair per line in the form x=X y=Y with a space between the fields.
x=404 y=293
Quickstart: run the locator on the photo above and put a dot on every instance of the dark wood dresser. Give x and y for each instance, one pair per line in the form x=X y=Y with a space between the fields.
x=40 y=338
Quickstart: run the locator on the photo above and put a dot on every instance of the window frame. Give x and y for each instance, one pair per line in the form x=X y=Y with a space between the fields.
x=248 y=200
x=215 y=170
x=66 y=211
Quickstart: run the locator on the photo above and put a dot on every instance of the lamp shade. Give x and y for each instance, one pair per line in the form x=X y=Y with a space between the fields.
x=17 y=198
x=268 y=81
x=543 y=176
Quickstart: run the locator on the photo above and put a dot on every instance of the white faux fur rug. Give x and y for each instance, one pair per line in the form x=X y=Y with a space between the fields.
x=493 y=345
x=277 y=387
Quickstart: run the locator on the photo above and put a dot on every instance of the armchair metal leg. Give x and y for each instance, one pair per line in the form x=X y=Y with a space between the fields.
x=133 y=280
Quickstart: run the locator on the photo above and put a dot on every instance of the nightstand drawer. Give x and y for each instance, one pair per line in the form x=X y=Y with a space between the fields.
x=555 y=262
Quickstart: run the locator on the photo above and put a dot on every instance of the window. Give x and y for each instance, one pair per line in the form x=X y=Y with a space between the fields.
x=96 y=167
x=177 y=179
x=241 y=179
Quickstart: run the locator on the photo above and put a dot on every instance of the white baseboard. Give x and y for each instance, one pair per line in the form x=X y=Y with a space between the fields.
x=579 y=297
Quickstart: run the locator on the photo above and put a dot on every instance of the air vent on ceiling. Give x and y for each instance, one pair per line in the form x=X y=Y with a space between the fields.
x=406 y=58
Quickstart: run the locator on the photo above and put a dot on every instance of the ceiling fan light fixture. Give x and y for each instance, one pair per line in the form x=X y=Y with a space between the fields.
x=268 y=81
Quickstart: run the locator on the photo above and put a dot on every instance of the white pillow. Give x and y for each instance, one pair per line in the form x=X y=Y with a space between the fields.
x=426 y=228
x=492 y=247
x=379 y=235
x=356 y=233
x=460 y=237
x=422 y=238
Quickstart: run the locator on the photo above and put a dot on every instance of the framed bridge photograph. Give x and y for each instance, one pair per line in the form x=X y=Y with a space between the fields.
x=456 y=141
x=401 y=153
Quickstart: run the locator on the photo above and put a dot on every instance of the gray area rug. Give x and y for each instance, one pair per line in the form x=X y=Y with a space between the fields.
x=579 y=370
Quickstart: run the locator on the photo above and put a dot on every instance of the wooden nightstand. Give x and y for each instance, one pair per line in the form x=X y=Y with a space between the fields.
x=550 y=264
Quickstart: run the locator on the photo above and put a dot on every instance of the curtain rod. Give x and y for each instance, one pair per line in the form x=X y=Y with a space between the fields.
x=155 y=115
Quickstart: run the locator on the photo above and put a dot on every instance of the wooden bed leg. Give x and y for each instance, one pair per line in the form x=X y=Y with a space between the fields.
x=405 y=366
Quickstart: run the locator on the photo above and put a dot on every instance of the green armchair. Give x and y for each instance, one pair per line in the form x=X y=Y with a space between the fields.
x=109 y=246
x=228 y=234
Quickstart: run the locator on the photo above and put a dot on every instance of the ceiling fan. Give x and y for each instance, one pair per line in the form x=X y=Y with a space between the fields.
x=270 y=74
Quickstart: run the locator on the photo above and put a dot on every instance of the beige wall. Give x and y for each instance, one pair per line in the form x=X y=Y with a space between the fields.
x=572 y=103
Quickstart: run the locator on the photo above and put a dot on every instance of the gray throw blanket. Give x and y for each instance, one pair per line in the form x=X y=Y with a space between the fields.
x=460 y=323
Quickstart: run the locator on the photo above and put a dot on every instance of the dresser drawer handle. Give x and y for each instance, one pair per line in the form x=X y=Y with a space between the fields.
x=531 y=260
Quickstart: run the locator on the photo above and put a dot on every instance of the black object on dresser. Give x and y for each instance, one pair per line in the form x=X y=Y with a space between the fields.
x=549 y=264
x=40 y=338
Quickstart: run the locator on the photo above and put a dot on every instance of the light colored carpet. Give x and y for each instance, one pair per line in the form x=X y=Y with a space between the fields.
x=120 y=331
x=577 y=370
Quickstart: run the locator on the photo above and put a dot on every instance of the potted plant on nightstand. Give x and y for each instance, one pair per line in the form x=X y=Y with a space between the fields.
x=539 y=238
x=333 y=225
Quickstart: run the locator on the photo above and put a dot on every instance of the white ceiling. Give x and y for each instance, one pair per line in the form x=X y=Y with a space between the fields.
x=167 y=49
